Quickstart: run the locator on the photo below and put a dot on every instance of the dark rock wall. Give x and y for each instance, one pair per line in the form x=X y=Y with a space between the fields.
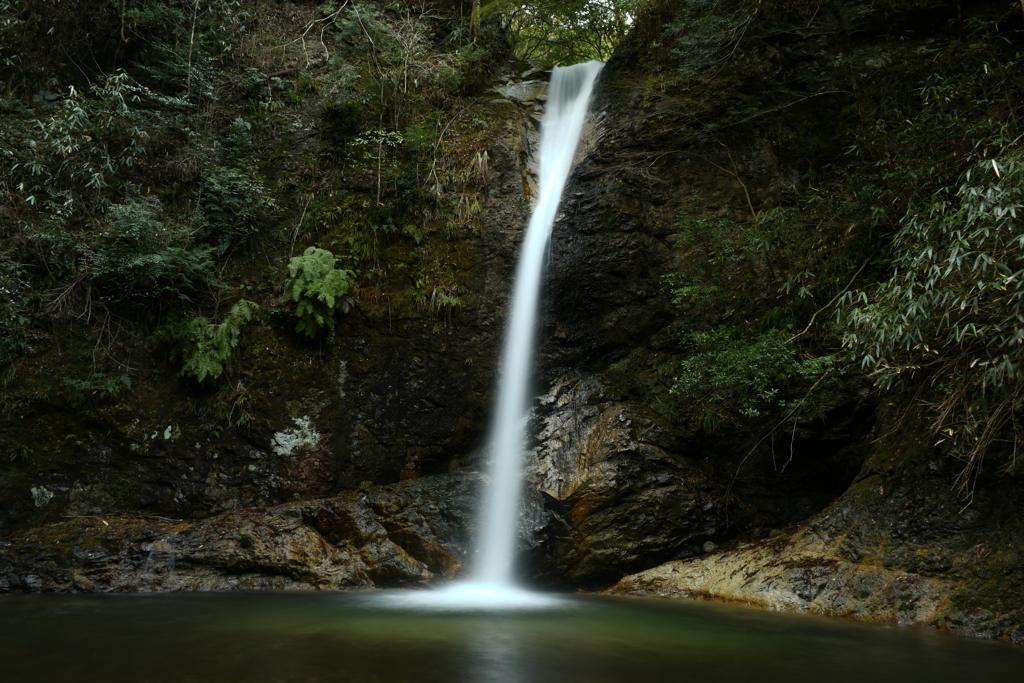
x=606 y=303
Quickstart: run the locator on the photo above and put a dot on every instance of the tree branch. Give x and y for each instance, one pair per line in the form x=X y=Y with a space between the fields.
x=834 y=299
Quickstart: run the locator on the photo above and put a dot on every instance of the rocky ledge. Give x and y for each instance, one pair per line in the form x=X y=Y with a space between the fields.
x=901 y=553
x=406 y=534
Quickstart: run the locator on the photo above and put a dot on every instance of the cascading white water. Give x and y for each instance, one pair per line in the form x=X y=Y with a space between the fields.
x=568 y=101
x=492 y=585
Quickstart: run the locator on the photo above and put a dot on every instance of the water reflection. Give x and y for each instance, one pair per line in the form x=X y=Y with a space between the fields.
x=494 y=653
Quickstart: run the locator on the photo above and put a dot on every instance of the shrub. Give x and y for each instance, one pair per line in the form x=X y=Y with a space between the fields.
x=237 y=149
x=727 y=375
x=81 y=153
x=98 y=388
x=317 y=288
x=566 y=31
x=14 y=317
x=234 y=205
x=139 y=258
x=401 y=57
x=704 y=35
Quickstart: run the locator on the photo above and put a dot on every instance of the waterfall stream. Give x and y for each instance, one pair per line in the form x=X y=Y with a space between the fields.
x=568 y=101
x=492 y=584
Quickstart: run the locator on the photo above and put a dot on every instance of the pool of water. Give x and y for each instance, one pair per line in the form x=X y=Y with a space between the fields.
x=356 y=637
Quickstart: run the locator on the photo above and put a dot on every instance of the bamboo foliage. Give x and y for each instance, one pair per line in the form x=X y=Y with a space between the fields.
x=953 y=310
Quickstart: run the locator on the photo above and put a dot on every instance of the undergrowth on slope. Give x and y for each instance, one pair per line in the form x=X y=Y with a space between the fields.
x=138 y=137
x=952 y=314
x=724 y=375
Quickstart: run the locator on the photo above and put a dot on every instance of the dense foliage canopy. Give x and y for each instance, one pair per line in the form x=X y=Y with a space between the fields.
x=564 y=31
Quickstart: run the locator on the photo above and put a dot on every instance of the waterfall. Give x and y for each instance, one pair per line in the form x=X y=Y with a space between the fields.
x=568 y=101
x=492 y=585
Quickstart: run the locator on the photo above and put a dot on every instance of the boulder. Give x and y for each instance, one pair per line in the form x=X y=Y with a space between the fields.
x=621 y=492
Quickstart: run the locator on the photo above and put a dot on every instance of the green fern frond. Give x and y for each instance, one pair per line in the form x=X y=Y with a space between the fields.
x=317 y=288
x=213 y=344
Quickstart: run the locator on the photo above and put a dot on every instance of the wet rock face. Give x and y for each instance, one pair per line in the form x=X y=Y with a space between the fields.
x=408 y=534
x=624 y=487
x=603 y=292
x=612 y=241
x=620 y=494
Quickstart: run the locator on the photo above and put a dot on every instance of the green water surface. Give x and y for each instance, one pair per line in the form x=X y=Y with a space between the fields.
x=352 y=637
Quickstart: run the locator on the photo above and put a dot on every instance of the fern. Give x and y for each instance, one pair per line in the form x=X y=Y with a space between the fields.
x=317 y=288
x=213 y=344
